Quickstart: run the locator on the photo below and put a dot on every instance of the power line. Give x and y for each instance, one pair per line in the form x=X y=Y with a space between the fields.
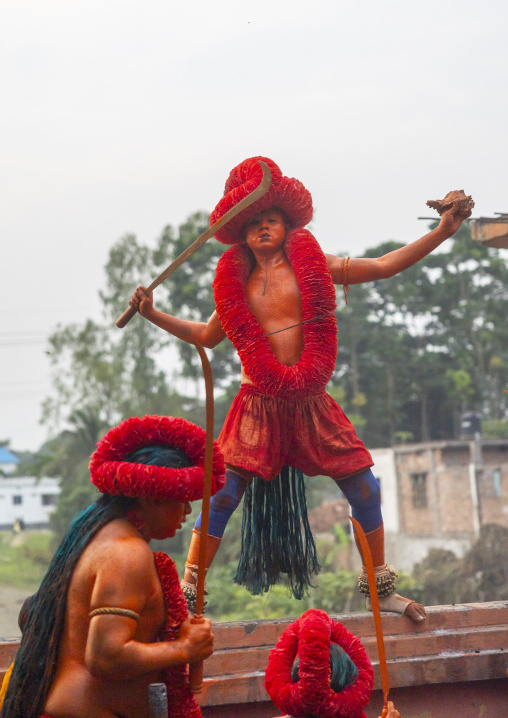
x=20 y=396
x=13 y=384
x=22 y=334
x=21 y=342
x=46 y=310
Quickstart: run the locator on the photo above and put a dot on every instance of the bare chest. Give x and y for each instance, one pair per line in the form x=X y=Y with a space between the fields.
x=274 y=297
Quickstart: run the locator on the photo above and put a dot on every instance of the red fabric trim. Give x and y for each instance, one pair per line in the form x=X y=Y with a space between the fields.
x=310 y=637
x=287 y=193
x=317 y=363
x=181 y=702
x=112 y=475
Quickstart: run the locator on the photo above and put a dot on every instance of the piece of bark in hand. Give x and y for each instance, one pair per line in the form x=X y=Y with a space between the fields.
x=466 y=203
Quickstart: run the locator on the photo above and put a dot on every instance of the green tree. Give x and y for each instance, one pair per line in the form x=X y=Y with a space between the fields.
x=414 y=350
x=481 y=575
x=188 y=294
x=116 y=373
x=426 y=344
x=66 y=457
x=469 y=308
x=102 y=375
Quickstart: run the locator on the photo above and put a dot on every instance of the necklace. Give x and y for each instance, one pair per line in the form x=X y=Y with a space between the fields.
x=182 y=703
x=313 y=370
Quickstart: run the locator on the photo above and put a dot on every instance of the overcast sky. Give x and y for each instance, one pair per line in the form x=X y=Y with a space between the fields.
x=125 y=116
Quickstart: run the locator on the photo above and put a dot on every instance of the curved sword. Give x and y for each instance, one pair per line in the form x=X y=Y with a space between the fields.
x=256 y=194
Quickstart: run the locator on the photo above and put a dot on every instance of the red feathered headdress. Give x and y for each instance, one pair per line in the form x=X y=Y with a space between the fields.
x=310 y=638
x=286 y=193
x=113 y=475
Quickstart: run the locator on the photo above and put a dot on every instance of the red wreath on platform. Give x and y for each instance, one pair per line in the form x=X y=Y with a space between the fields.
x=310 y=637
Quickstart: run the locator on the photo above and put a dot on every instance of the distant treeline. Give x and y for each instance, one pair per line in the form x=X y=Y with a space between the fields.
x=415 y=351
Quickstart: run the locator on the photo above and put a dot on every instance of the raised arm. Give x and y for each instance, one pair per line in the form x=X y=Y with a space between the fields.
x=208 y=334
x=357 y=271
x=119 y=647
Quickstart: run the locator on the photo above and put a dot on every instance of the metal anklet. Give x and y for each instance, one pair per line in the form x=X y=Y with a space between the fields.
x=190 y=592
x=385 y=582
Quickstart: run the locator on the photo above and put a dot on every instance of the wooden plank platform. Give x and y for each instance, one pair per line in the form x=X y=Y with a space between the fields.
x=466 y=642
x=456 y=644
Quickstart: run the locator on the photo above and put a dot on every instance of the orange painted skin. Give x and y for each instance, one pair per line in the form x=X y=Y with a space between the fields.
x=107 y=663
x=272 y=291
x=273 y=294
x=274 y=297
x=389 y=711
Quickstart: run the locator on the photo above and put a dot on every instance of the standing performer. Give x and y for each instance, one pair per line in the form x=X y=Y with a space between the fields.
x=110 y=617
x=275 y=300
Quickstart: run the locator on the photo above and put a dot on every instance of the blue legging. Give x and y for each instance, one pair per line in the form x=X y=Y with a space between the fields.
x=224 y=503
x=364 y=495
x=361 y=490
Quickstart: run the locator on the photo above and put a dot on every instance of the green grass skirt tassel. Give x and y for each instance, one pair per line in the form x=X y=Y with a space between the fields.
x=277 y=542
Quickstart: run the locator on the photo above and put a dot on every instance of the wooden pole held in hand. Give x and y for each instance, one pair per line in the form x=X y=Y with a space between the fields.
x=256 y=194
x=196 y=669
x=376 y=612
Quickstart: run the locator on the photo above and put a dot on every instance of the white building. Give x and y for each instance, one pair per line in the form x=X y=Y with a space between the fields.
x=27 y=500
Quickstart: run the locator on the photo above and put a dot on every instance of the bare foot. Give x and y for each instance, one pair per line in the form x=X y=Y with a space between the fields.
x=398 y=604
x=389 y=711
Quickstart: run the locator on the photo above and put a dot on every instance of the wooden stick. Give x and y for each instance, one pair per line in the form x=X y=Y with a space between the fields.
x=196 y=669
x=371 y=575
x=256 y=194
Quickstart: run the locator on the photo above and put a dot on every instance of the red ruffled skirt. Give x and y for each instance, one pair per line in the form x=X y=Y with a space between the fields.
x=262 y=434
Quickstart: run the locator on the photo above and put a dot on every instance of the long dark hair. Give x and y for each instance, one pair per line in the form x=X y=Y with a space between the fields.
x=36 y=661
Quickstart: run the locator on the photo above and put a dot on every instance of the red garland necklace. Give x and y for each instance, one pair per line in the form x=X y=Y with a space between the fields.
x=310 y=638
x=182 y=703
x=317 y=363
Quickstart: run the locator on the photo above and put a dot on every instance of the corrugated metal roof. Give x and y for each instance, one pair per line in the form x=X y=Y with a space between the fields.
x=7 y=457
